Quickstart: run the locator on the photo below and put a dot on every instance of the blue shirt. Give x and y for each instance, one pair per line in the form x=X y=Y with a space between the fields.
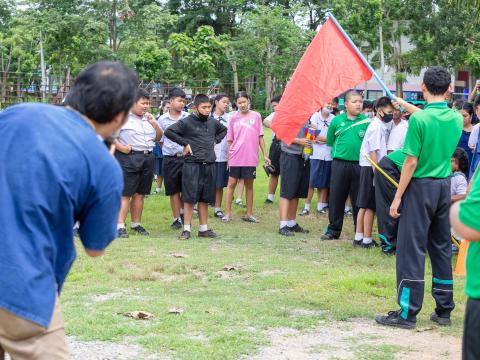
x=54 y=170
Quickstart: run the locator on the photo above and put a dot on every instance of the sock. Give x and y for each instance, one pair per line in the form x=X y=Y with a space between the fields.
x=283 y=224
x=215 y=210
x=347 y=208
x=120 y=226
x=186 y=227
x=238 y=201
x=181 y=211
x=324 y=205
x=307 y=206
x=271 y=197
x=358 y=236
x=157 y=189
x=203 y=228
x=367 y=240
x=135 y=224
x=177 y=219
x=292 y=223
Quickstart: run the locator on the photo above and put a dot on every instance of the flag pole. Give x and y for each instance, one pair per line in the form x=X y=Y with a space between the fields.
x=360 y=55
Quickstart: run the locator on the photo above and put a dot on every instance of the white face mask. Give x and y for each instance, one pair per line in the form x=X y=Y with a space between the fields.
x=326 y=110
x=369 y=114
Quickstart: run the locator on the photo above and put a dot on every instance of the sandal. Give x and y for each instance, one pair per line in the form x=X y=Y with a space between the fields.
x=226 y=219
x=250 y=219
x=219 y=214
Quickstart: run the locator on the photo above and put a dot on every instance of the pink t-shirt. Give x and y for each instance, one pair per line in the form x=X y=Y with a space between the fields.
x=244 y=132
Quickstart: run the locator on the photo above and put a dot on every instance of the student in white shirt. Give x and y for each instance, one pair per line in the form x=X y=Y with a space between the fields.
x=320 y=161
x=374 y=146
x=398 y=132
x=273 y=154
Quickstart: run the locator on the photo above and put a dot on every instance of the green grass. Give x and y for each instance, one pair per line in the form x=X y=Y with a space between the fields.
x=226 y=313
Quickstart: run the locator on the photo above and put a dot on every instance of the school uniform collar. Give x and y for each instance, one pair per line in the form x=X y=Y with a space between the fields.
x=437 y=105
x=358 y=118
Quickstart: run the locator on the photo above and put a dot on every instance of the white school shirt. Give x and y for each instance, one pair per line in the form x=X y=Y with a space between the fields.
x=396 y=139
x=269 y=119
x=473 y=139
x=375 y=139
x=321 y=151
x=169 y=147
x=221 y=148
x=138 y=132
x=458 y=183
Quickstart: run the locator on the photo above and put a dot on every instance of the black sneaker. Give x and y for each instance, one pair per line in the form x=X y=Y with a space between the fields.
x=285 y=231
x=370 y=245
x=442 y=321
x=358 y=243
x=323 y=211
x=298 y=229
x=219 y=214
x=348 y=213
x=185 y=235
x=304 y=212
x=176 y=225
x=207 y=234
x=393 y=319
x=329 y=236
x=122 y=233
x=140 y=230
x=268 y=201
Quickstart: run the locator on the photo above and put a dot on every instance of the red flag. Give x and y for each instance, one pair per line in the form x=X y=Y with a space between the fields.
x=328 y=67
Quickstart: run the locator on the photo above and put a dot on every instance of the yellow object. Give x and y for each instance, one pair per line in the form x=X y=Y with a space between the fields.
x=460 y=266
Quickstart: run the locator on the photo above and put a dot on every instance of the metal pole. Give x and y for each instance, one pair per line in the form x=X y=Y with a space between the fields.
x=360 y=55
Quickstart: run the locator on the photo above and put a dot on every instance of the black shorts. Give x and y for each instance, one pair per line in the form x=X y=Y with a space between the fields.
x=320 y=171
x=366 y=190
x=243 y=172
x=137 y=171
x=221 y=175
x=172 y=174
x=295 y=176
x=198 y=183
x=274 y=155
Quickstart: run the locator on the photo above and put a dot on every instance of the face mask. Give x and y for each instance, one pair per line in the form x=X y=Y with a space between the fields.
x=202 y=117
x=326 y=111
x=387 y=118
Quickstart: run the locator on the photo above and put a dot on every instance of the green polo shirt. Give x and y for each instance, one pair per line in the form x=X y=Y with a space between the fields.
x=398 y=158
x=345 y=136
x=469 y=216
x=432 y=137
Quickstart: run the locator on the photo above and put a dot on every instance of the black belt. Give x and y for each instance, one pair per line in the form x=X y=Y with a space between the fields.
x=145 y=152
x=173 y=156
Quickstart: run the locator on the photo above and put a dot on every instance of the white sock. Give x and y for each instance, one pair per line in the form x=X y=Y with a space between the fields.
x=238 y=201
x=324 y=205
x=135 y=224
x=181 y=211
x=367 y=240
x=203 y=228
x=283 y=224
x=347 y=208
x=186 y=227
x=215 y=210
x=320 y=206
x=120 y=226
x=307 y=206
x=271 y=197
x=292 y=223
x=358 y=236
x=157 y=189
x=177 y=219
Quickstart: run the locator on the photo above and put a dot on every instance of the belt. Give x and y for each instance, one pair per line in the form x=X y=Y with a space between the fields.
x=145 y=152
x=174 y=156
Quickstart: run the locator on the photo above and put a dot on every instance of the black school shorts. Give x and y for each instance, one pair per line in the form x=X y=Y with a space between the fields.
x=295 y=176
x=242 y=172
x=172 y=174
x=221 y=175
x=198 y=183
x=366 y=190
x=137 y=171
x=274 y=155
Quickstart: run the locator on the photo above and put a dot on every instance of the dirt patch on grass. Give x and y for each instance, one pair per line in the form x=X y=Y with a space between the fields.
x=356 y=339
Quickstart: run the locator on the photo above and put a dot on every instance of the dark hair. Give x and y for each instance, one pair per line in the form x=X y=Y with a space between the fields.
x=176 y=92
x=476 y=103
x=461 y=157
x=218 y=98
x=437 y=80
x=382 y=102
x=162 y=106
x=335 y=99
x=468 y=107
x=241 y=94
x=350 y=94
x=103 y=90
x=367 y=104
x=141 y=94
x=457 y=104
x=201 y=99
x=276 y=99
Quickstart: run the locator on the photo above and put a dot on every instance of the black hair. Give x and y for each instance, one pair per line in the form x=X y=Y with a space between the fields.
x=461 y=157
x=218 y=98
x=437 y=80
x=350 y=94
x=457 y=104
x=241 y=94
x=162 y=106
x=476 y=103
x=201 y=99
x=276 y=99
x=468 y=107
x=141 y=94
x=103 y=90
x=176 y=92
x=382 y=102
x=335 y=99
x=367 y=104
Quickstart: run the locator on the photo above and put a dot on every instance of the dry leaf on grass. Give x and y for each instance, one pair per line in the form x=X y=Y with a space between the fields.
x=179 y=255
x=175 y=310
x=141 y=315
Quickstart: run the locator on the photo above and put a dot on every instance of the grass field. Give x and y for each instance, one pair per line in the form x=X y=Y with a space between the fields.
x=226 y=313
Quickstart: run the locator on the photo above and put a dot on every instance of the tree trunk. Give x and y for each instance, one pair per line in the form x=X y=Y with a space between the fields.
x=113 y=27
x=233 y=63
x=19 y=82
